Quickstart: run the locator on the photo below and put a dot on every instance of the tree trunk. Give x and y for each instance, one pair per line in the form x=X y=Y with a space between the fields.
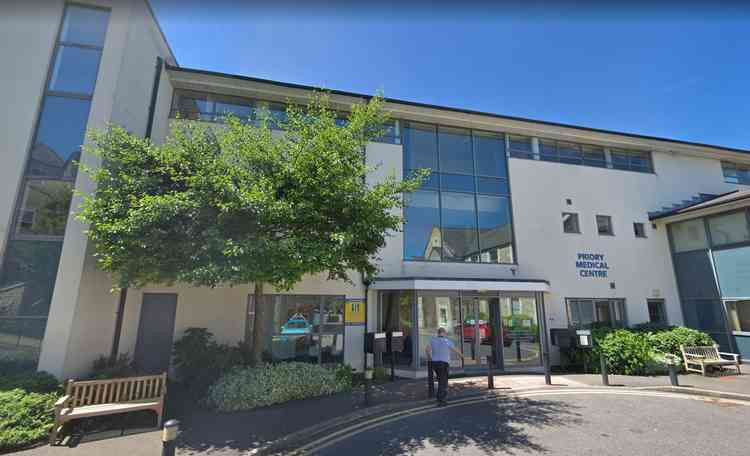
x=118 y=325
x=259 y=329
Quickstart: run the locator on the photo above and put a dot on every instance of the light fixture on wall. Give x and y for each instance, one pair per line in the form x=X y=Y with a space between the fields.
x=513 y=271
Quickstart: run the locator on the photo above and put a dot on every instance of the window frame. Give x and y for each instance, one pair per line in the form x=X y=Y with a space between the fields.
x=663 y=319
x=741 y=173
x=642 y=234
x=437 y=185
x=614 y=303
x=577 y=223
x=611 y=231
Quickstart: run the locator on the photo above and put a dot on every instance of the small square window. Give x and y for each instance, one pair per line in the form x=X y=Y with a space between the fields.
x=604 y=225
x=639 y=229
x=570 y=223
x=656 y=311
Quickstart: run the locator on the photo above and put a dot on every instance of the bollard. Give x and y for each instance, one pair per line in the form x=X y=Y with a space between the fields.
x=605 y=372
x=490 y=375
x=672 y=365
x=518 y=350
x=430 y=380
x=368 y=381
x=168 y=436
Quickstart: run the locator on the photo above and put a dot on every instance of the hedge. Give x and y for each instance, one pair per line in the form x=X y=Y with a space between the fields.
x=244 y=388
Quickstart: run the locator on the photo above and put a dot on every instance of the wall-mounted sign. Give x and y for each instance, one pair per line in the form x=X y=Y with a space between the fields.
x=592 y=265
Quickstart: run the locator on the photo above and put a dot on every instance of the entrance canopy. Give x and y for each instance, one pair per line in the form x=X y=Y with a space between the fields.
x=417 y=283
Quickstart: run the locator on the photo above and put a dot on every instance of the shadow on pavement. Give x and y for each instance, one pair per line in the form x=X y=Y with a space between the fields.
x=488 y=426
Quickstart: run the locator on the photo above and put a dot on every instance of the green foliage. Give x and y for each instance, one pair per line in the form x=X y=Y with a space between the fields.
x=104 y=368
x=238 y=204
x=24 y=417
x=626 y=352
x=670 y=341
x=245 y=388
x=31 y=382
x=639 y=351
x=199 y=360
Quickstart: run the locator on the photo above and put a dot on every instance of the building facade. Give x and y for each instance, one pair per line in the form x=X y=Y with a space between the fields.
x=522 y=227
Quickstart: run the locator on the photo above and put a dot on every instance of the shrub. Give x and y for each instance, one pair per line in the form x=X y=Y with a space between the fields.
x=30 y=382
x=104 y=368
x=24 y=417
x=244 y=388
x=626 y=352
x=199 y=361
x=670 y=341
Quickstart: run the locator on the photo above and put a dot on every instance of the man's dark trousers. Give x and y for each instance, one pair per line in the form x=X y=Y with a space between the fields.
x=441 y=371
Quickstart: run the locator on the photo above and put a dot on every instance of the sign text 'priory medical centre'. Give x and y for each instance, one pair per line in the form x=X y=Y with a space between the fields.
x=592 y=265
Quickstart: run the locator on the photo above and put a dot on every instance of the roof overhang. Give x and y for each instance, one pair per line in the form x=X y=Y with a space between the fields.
x=725 y=203
x=412 y=283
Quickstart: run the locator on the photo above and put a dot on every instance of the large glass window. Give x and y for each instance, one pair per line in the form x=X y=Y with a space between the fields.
x=213 y=107
x=520 y=146
x=729 y=229
x=29 y=269
x=44 y=208
x=739 y=315
x=459 y=227
x=61 y=131
x=495 y=229
x=632 y=160
x=305 y=328
x=455 y=153
x=735 y=173
x=688 y=235
x=467 y=217
x=422 y=237
x=584 y=313
x=733 y=271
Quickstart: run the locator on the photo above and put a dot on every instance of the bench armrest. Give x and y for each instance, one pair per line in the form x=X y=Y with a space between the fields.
x=734 y=356
x=63 y=401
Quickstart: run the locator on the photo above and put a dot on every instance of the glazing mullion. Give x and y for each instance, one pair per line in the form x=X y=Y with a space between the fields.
x=476 y=203
x=440 y=191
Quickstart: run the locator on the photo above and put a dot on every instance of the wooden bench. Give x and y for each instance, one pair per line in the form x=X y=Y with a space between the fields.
x=90 y=398
x=697 y=359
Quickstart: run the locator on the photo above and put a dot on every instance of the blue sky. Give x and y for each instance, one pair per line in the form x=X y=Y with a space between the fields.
x=676 y=71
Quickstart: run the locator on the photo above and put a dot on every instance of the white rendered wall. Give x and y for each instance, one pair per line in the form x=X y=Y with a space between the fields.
x=81 y=317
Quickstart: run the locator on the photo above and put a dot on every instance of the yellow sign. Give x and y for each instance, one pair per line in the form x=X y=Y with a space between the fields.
x=354 y=312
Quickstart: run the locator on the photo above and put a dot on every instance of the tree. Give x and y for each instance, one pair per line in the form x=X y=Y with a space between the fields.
x=241 y=204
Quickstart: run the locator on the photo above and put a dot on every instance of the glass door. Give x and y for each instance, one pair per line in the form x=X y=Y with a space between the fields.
x=520 y=332
x=480 y=326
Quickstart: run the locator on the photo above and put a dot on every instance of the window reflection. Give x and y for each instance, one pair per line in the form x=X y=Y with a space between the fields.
x=443 y=224
x=45 y=207
x=459 y=231
x=495 y=229
x=84 y=25
x=75 y=70
x=420 y=146
x=455 y=150
x=61 y=131
x=422 y=236
x=28 y=277
x=305 y=328
x=438 y=310
x=489 y=153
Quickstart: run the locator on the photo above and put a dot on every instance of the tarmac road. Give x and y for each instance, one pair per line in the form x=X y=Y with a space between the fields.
x=559 y=423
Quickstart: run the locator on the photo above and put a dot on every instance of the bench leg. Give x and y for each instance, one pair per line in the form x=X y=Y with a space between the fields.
x=53 y=433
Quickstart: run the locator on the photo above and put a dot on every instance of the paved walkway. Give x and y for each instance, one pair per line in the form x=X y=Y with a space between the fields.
x=218 y=434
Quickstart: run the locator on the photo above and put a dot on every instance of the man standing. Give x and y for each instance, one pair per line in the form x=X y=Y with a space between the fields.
x=439 y=352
